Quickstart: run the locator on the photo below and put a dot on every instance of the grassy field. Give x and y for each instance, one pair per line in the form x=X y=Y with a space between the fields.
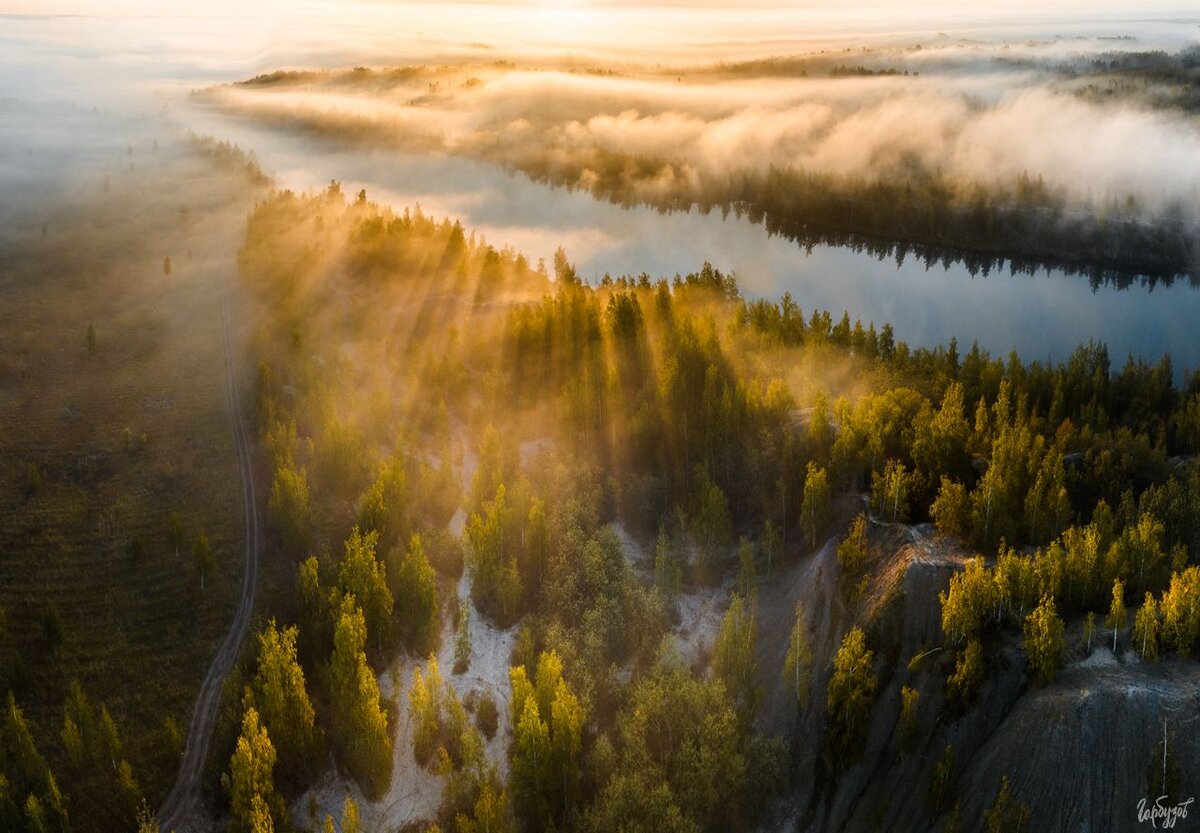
x=105 y=436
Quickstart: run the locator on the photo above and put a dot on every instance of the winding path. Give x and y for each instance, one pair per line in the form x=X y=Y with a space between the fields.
x=183 y=809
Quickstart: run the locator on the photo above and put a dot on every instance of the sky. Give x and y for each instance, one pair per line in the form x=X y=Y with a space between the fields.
x=269 y=8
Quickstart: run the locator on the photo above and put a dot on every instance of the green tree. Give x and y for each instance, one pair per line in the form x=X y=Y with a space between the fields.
x=360 y=725
x=250 y=780
x=385 y=506
x=1145 y=628
x=734 y=656
x=889 y=491
x=1043 y=640
x=815 y=507
x=413 y=584
x=462 y=642
x=851 y=696
x=852 y=553
x=970 y=603
x=364 y=577
x=943 y=785
x=963 y=685
x=668 y=572
x=1007 y=815
x=548 y=721
x=290 y=510
x=425 y=710
x=1180 y=609
x=203 y=558
x=1116 y=611
x=951 y=509
x=772 y=544
x=281 y=698
x=797 y=666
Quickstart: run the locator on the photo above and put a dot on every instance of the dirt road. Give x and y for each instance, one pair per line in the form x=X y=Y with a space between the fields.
x=183 y=810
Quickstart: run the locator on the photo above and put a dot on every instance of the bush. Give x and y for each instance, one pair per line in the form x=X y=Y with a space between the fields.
x=487 y=717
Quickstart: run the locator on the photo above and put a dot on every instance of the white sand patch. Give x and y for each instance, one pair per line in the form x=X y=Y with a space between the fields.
x=635 y=553
x=1100 y=657
x=700 y=613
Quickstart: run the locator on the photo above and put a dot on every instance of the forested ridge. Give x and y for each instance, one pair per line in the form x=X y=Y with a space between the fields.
x=428 y=405
x=721 y=432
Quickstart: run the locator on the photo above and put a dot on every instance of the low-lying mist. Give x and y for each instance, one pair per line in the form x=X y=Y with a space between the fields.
x=970 y=113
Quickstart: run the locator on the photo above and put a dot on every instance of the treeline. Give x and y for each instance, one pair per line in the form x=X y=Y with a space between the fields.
x=412 y=374
x=82 y=783
x=1025 y=225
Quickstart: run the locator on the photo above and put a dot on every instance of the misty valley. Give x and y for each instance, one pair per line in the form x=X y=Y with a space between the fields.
x=580 y=416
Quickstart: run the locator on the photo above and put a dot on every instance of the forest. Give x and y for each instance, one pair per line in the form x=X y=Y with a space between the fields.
x=697 y=421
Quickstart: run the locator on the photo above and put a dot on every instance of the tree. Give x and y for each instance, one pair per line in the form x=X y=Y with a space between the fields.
x=889 y=491
x=734 y=658
x=907 y=725
x=350 y=820
x=203 y=557
x=1145 y=628
x=797 y=666
x=413 y=584
x=385 y=506
x=548 y=722
x=362 y=576
x=942 y=786
x=668 y=572
x=289 y=508
x=281 y=698
x=951 y=509
x=250 y=780
x=496 y=581
x=462 y=642
x=1180 y=610
x=491 y=813
x=1007 y=815
x=1089 y=630
x=771 y=543
x=360 y=725
x=1043 y=640
x=851 y=696
x=425 y=710
x=814 y=508
x=963 y=685
x=852 y=552
x=971 y=601
x=1116 y=611
x=711 y=524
